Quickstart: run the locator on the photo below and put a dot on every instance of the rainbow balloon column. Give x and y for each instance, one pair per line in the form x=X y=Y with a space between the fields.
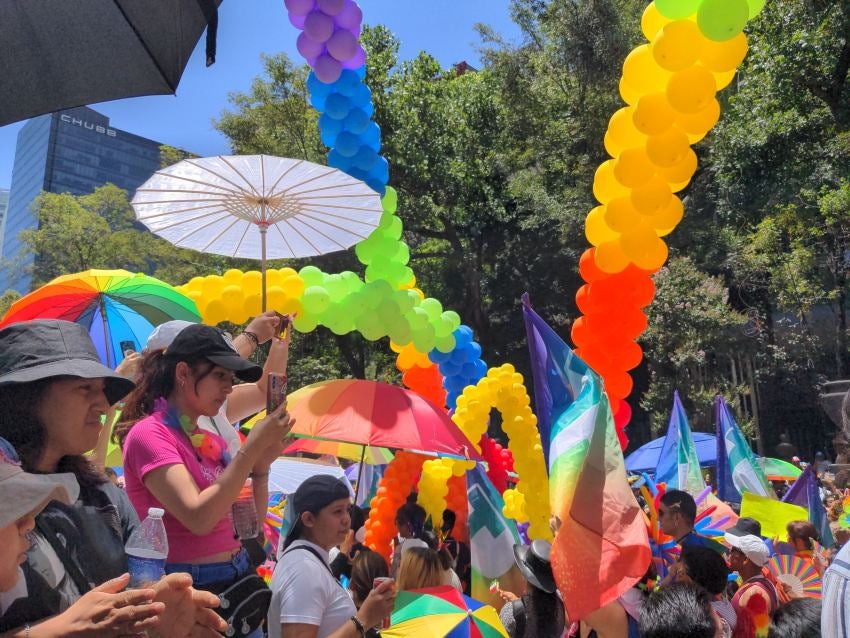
x=669 y=86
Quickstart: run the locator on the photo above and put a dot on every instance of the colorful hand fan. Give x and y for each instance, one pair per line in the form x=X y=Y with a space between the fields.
x=798 y=574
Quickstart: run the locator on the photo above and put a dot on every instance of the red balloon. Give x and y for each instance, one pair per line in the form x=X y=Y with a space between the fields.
x=587 y=267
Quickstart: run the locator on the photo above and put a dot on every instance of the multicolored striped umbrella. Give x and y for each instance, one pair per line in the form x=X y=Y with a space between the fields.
x=442 y=611
x=350 y=451
x=798 y=574
x=120 y=309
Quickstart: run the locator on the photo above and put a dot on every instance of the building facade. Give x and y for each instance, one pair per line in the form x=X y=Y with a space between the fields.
x=72 y=151
x=4 y=204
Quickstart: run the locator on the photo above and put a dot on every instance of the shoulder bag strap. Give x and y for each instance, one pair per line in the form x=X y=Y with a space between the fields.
x=314 y=553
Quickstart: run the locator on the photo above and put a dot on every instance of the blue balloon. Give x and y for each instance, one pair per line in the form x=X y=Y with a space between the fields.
x=361 y=72
x=337 y=160
x=377 y=186
x=468 y=370
x=458 y=356
x=455 y=384
x=365 y=158
x=318 y=101
x=362 y=95
x=356 y=173
x=348 y=83
x=317 y=87
x=357 y=121
x=337 y=106
x=372 y=136
x=438 y=357
x=347 y=144
x=463 y=336
x=449 y=369
x=476 y=350
x=480 y=369
x=381 y=171
x=329 y=128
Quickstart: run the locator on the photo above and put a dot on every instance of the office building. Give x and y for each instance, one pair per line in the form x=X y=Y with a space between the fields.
x=72 y=151
x=4 y=204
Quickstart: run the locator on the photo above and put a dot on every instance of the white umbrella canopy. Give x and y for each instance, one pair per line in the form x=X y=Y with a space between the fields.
x=257 y=207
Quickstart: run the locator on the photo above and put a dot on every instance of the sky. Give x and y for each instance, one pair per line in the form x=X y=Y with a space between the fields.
x=248 y=28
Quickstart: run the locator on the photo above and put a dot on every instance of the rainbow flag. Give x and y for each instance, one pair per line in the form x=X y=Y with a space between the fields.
x=678 y=464
x=601 y=549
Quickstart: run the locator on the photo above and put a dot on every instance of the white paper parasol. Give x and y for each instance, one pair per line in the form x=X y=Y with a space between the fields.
x=257 y=207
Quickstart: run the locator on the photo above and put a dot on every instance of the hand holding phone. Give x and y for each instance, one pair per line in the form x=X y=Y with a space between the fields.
x=275 y=391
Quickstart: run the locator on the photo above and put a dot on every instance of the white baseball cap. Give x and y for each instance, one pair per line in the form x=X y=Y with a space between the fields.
x=751 y=546
x=164 y=334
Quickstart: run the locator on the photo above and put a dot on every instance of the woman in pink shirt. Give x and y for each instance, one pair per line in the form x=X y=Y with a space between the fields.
x=170 y=463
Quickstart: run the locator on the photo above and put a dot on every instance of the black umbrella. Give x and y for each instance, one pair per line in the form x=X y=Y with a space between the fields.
x=56 y=54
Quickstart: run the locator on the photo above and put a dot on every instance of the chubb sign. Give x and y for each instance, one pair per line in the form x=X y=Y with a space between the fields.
x=89 y=125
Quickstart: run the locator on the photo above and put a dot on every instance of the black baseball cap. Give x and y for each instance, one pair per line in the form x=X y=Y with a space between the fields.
x=208 y=342
x=45 y=348
x=745 y=526
x=314 y=494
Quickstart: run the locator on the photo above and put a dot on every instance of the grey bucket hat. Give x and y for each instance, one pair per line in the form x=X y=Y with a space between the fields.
x=44 y=348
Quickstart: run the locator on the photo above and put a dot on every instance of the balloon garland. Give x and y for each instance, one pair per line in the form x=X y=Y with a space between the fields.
x=669 y=87
x=503 y=390
x=396 y=483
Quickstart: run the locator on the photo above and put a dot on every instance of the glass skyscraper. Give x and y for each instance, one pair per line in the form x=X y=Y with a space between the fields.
x=4 y=204
x=73 y=151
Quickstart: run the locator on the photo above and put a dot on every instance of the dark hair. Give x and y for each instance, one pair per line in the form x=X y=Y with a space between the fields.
x=706 y=568
x=366 y=567
x=804 y=531
x=20 y=425
x=799 y=618
x=157 y=379
x=414 y=515
x=678 y=611
x=682 y=502
x=446 y=558
x=449 y=520
x=358 y=517
x=544 y=614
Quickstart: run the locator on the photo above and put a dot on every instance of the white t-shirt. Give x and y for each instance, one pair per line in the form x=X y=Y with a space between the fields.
x=304 y=591
x=219 y=424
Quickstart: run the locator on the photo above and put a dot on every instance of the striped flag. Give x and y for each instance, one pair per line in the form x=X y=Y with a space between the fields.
x=678 y=464
x=492 y=536
x=601 y=549
x=737 y=468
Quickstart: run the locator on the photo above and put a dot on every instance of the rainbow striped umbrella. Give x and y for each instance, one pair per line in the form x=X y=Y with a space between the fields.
x=798 y=574
x=442 y=611
x=120 y=309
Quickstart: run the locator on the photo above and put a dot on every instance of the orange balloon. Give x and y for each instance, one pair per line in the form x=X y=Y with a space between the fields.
x=587 y=267
x=653 y=114
x=668 y=148
x=580 y=332
x=618 y=385
x=692 y=89
x=605 y=185
x=620 y=215
x=678 y=45
x=610 y=257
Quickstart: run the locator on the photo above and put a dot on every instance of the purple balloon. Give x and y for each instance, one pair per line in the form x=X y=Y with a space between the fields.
x=297 y=21
x=357 y=60
x=327 y=69
x=307 y=47
x=299 y=7
x=331 y=7
x=350 y=17
x=342 y=45
x=318 y=26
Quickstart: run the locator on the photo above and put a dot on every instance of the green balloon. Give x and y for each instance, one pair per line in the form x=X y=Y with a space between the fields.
x=366 y=250
x=400 y=332
x=755 y=7
x=432 y=307
x=442 y=328
x=418 y=320
x=312 y=276
x=445 y=344
x=453 y=318
x=677 y=9
x=316 y=300
x=406 y=300
x=722 y=20
x=305 y=322
x=336 y=287
x=423 y=340
x=390 y=200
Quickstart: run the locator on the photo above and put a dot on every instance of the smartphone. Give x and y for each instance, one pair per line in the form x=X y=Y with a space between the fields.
x=127 y=347
x=275 y=391
x=284 y=323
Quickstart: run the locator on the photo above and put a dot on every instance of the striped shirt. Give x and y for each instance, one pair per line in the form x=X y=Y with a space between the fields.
x=835 y=606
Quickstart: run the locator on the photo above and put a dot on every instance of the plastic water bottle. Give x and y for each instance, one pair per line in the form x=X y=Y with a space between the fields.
x=245 y=513
x=147 y=550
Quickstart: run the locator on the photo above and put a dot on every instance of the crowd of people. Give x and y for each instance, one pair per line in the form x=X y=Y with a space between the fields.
x=65 y=524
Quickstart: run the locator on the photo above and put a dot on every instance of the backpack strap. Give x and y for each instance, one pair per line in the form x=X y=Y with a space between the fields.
x=314 y=553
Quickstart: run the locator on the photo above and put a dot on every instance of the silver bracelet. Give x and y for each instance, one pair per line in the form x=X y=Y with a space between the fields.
x=26 y=630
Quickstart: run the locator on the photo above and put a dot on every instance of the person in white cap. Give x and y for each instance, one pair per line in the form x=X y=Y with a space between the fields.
x=756 y=600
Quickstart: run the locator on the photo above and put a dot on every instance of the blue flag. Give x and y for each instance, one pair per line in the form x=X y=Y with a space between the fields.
x=678 y=464
x=737 y=469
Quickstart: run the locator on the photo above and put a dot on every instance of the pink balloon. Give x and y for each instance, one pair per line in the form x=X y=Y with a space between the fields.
x=331 y=7
x=342 y=45
x=318 y=26
x=297 y=21
x=327 y=69
x=307 y=47
x=350 y=17
x=299 y=7
x=357 y=60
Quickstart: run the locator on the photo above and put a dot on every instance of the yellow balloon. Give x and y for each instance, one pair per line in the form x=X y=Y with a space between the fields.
x=722 y=80
x=605 y=185
x=291 y=306
x=233 y=276
x=595 y=228
x=678 y=45
x=610 y=257
x=652 y=21
x=620 y=215
x=638 y=242
x=668 y=148
x=691 y=90
x=651 y=197
x=215 y=312
x=642 y=73
x=251 y=281
x=232 y=296
x=273 y=277
x=630 y=94
x=633 y=168
x=293 y=286
x=669 y=216
x=212 y=287
x=720 y=57
x=654 y=256
x=682 y=171
x=253 y=304
x=653 y=114
x=275 y=298
x=622 y=132
x=699 y=123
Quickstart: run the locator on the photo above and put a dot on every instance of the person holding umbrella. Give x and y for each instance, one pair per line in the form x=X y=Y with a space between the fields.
x=53 y=392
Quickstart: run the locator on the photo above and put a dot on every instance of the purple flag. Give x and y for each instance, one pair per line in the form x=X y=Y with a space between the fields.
x=798 y=493
x=805 y=493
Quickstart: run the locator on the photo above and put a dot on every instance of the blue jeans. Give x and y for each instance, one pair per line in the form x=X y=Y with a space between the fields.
x=224 y=573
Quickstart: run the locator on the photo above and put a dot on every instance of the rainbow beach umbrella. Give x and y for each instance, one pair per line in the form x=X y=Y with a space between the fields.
x=442 y=611
x=119 y=308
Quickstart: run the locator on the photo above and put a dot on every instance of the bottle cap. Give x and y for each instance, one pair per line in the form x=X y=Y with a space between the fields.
x=156 y=512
